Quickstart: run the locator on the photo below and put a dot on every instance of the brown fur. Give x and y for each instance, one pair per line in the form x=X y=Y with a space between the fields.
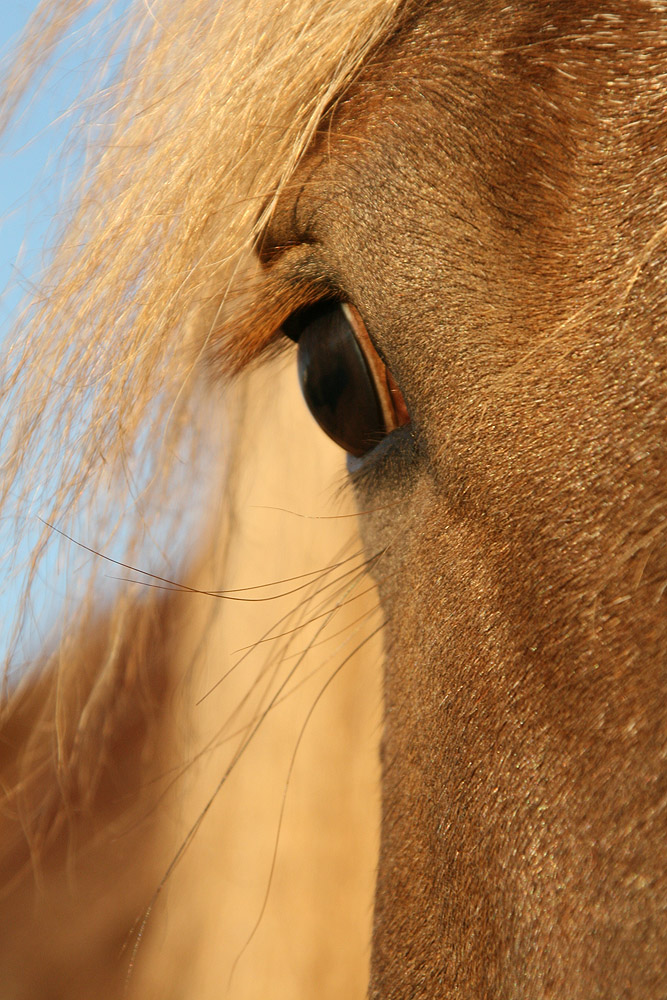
x=490 y=194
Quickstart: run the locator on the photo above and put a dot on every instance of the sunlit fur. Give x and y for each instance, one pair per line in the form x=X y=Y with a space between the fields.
x=486 y=183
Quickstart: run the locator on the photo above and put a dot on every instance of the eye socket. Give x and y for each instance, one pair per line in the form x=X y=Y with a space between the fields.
x=346 y=385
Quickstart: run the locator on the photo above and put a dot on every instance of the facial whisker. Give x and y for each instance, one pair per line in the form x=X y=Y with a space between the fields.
x=331 y=517
x=280 y=655
x=140 y=926
x=302 y=731
x=334 y=635
x=310 y=621
x=267 y=635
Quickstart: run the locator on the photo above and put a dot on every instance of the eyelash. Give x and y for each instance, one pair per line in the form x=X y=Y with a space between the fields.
x=348 y=388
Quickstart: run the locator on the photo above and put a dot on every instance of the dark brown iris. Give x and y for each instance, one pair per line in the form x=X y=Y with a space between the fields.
x=348 y=388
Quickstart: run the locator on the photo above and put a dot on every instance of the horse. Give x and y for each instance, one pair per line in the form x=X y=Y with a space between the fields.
x=458 y=215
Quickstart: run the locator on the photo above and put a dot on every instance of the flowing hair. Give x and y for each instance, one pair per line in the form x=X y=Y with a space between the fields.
x=111 y=387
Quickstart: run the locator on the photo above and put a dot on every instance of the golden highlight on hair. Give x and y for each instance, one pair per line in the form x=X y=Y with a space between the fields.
x=202 y=114
x=188 y=145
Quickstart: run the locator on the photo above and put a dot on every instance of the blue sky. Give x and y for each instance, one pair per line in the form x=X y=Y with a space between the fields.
x=30 y=171
x=28 y=195
x=31 y=178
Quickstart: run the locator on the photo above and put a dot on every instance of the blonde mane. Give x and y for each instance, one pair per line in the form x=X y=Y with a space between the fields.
x=189 y=143
x=150 y=299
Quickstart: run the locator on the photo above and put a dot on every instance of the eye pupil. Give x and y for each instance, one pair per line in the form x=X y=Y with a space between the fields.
x=332 y=387
x=344 y=382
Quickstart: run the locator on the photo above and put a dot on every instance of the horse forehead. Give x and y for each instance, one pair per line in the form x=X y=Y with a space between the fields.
x=421 y=111
x=456 y=186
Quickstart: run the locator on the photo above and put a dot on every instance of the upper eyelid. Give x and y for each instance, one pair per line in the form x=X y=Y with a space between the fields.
x=303 y=265
x=291 y=222
x=301 y=268
x=270 y=251
x=251 y=318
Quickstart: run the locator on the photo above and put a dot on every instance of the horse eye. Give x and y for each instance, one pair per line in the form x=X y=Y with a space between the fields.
x=348 y=388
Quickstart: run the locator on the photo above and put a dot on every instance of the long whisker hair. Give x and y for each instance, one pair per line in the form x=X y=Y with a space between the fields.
x=250 y=733
x=129 y=394
x=330 y=679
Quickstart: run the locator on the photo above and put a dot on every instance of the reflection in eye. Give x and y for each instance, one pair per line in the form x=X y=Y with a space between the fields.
x=348 y=388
